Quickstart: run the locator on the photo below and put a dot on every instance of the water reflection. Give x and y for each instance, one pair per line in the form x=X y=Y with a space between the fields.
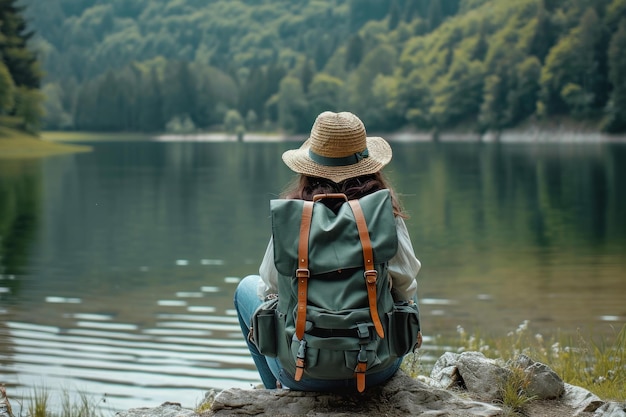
x=119 y=277
x=20 y=190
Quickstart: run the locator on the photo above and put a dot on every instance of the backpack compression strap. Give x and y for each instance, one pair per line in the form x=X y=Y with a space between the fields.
x=371 y=275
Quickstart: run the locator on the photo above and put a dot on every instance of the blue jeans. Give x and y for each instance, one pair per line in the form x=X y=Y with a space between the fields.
x=246 y=302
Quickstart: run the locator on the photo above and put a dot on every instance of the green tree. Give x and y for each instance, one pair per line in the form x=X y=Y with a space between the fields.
x=293 y=110
x=544 y=36
x=178 y=90
x=458 y=95
x=573 y=60
x=394 y=15
x=616 y=118
x=522 y=100
x=411 y=97
x=233 y=121
x=180 y=124
x=411 y=10
x=251 y=120
x=358 y=88
x=21 y=62
x=435 y=14
x=354 y=53
x=56 y=117
x=361 y=11
x=324 y=93
x=7 y=90
x=149 y=103
x=28 y=106
x=307 y=72
x=86 y=113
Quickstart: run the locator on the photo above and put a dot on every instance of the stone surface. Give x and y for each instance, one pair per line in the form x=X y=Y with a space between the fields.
x=401 y=396
x=482 y=377
x=463 y=384
x=580 y=399
x=611 y=409
x=164 y=410
x=544 y=383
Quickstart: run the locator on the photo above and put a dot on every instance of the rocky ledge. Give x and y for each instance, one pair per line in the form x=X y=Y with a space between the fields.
x=462 y=385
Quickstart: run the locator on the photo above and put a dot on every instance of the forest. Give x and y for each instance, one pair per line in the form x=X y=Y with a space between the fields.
x=273 y=65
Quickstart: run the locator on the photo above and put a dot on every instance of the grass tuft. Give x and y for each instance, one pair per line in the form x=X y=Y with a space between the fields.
x=514 y=390
x=38 y=406
x=412 y=365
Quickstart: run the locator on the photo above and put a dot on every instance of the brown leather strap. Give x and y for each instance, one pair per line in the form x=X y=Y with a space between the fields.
x=302 y=273
x=371 y=274
x=317 y=197
x=361 y=367
x=299 y=369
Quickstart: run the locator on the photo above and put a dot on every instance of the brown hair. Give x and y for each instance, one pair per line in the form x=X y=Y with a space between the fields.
x=305 y=187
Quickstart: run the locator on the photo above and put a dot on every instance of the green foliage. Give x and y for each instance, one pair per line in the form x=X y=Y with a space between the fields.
x=38 y=407
x=7 y=89
x=28 y=107
x=616 y=117
x=20 y=75
x=84 y=406
x=233 y=121
x=514 y=391
x=429 y=64
x=180 y=124
x=293 y=110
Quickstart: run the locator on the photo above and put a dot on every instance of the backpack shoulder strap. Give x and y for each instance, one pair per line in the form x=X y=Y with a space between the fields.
x=302 y=273
x=371 y=275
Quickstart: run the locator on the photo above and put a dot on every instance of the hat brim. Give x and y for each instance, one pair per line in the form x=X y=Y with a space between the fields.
x=298 y=160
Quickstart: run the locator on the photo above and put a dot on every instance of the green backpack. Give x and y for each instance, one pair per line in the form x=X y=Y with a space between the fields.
x=335 y=317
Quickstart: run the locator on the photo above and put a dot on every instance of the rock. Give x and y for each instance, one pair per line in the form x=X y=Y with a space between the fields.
x=164 y=410
x=580 y=399
x=544 y=383
x=482 y=377
x=401 y=396
x=611 y=409
x=463 y=384
x=445 y=373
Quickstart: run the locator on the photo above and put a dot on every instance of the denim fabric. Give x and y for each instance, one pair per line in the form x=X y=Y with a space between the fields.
x=246 y=302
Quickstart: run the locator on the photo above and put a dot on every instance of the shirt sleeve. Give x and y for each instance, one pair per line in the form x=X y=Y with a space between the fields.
x=404 y=266
x=268 y=272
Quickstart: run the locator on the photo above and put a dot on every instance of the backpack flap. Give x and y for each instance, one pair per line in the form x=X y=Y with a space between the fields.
x=337 y=245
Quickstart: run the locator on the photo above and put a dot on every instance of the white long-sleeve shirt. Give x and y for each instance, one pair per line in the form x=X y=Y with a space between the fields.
x=403 y=268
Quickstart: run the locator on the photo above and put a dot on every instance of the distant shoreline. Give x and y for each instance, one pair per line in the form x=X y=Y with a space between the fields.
x=18 y=145
x=509 y=136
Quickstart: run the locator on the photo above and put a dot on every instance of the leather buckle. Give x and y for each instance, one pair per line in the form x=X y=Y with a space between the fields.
x=371 y=276
x=303 y=273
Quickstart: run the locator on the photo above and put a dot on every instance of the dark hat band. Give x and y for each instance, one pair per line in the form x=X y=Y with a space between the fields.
x=338 y=162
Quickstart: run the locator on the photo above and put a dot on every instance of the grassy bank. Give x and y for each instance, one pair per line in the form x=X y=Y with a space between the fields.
x=594 y=363
x=93 y=136
x=18 y=144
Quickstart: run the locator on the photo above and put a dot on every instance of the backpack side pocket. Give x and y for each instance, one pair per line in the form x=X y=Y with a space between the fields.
x=263 y=329
x=404 y=328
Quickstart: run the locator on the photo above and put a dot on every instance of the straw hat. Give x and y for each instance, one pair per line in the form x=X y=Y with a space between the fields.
x=338 y=148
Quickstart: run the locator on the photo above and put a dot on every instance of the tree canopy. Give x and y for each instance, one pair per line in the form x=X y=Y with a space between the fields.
x=20 y=75
x=430 y=64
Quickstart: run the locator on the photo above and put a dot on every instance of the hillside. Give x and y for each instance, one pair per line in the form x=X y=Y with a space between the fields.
x=182 y=65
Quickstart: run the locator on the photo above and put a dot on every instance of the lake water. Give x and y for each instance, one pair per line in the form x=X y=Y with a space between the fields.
x=118 y=266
